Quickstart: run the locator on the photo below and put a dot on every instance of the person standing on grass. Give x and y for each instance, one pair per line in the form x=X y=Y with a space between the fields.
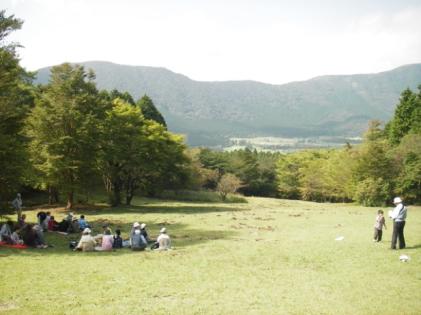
x=17 y=205
x=398 y=215
x=378 y=226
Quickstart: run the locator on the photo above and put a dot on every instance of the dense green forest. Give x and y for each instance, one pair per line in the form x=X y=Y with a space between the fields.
x=67 y=138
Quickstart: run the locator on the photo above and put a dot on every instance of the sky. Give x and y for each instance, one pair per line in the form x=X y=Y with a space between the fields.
x=217 y=40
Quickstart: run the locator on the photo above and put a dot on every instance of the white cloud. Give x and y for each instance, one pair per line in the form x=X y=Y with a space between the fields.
x=267 y=41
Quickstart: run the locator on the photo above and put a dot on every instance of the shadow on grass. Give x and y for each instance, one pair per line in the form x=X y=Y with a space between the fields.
x=159 y=209
x=181 y=237
x=414 y=246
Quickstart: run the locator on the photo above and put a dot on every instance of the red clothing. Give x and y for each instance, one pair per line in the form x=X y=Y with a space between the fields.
x=52 y=225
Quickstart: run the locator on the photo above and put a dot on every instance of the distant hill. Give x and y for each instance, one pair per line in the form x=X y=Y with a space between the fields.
x=209 y=112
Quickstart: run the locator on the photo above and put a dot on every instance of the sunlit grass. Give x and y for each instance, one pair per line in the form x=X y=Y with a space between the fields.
x=266 y=256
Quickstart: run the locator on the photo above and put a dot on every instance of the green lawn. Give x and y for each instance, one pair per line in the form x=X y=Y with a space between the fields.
x=266 y=256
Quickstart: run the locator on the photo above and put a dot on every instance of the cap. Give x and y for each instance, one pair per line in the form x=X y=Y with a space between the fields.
x=163 y=230
x=87 y=230
x=143 y=225
x=136 y=224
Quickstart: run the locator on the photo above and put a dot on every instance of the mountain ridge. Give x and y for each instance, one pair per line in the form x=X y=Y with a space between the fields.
x=211 y=111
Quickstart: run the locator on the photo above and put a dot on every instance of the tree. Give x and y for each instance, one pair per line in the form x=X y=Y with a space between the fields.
x=407 y=117
x=121 y=143
x=149 y=110
x=408 y=159
x=374 y=170
x=228 y=184
x=16 y=98
x=63 y=129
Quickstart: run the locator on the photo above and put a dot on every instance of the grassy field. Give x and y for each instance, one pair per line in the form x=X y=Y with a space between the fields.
x=266 y=256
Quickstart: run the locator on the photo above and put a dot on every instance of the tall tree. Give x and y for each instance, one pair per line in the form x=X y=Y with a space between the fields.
x=16 y=98
x=374 y=170
x=63 y=129
x=121 y=144
x=407 y=117
x=149 y=110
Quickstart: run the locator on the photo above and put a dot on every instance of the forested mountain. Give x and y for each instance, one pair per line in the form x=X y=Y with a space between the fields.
x=209 y=112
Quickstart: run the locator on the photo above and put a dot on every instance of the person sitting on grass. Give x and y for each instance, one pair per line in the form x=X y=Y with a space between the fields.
x=32 y=236
x=41 y=216
x=74 y=226
x=145 y=233
x=21 y=221
x=53 y=224
x=15 y=237
x=117 y=240
x=6 y=232
x=87 y=243
x=137 y=241
x=46 y=221
x=107 y=241
x=163 y=242
x=83 y=224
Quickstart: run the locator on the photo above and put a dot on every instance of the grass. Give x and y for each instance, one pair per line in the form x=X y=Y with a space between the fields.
x=266 y=256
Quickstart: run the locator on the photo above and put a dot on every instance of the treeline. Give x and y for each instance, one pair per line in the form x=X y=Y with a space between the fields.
x=66 y=137
x=387 y=163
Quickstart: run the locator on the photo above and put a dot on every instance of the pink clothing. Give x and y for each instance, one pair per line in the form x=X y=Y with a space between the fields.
x=107 y=242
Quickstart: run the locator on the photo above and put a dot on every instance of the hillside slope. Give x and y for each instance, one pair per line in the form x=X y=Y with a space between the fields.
x=208 y=112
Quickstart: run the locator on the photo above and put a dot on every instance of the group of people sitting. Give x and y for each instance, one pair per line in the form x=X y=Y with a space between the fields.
x=32 y=235
x=22 y=233
x=138 y=241
x=70 y=224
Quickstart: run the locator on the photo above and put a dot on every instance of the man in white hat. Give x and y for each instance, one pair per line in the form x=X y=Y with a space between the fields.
x=398 y=215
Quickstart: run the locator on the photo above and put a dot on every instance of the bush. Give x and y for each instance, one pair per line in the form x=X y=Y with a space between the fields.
x=373 y=192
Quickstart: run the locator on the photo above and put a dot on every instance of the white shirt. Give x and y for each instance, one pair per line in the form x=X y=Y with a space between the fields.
x=399 y=213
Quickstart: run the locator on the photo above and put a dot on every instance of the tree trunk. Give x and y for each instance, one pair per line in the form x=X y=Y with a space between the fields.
x=129 y=199
x=52 y=195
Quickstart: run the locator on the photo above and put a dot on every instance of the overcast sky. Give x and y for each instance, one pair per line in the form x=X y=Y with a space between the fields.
x=263 y=40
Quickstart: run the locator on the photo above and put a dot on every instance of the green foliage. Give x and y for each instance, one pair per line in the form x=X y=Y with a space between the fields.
x=407 y=117
x=63 y=129
x=138 y=154
x=149 y=110
x=373 y=192
x=228 y=184
x=408 y=160
x=210 y=112
x=16 y=98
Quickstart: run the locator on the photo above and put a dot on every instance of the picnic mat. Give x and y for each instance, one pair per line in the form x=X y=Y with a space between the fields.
x=4 y=244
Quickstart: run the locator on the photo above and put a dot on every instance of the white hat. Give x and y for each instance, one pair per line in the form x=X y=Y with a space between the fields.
x=397 y=200
x=87 y=231
x=163 y=230
x=143 y=225
x=71 y=213
x=18 y=194
x=136 y=224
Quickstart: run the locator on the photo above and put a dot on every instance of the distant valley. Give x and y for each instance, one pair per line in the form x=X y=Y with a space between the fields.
x=212 y=113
